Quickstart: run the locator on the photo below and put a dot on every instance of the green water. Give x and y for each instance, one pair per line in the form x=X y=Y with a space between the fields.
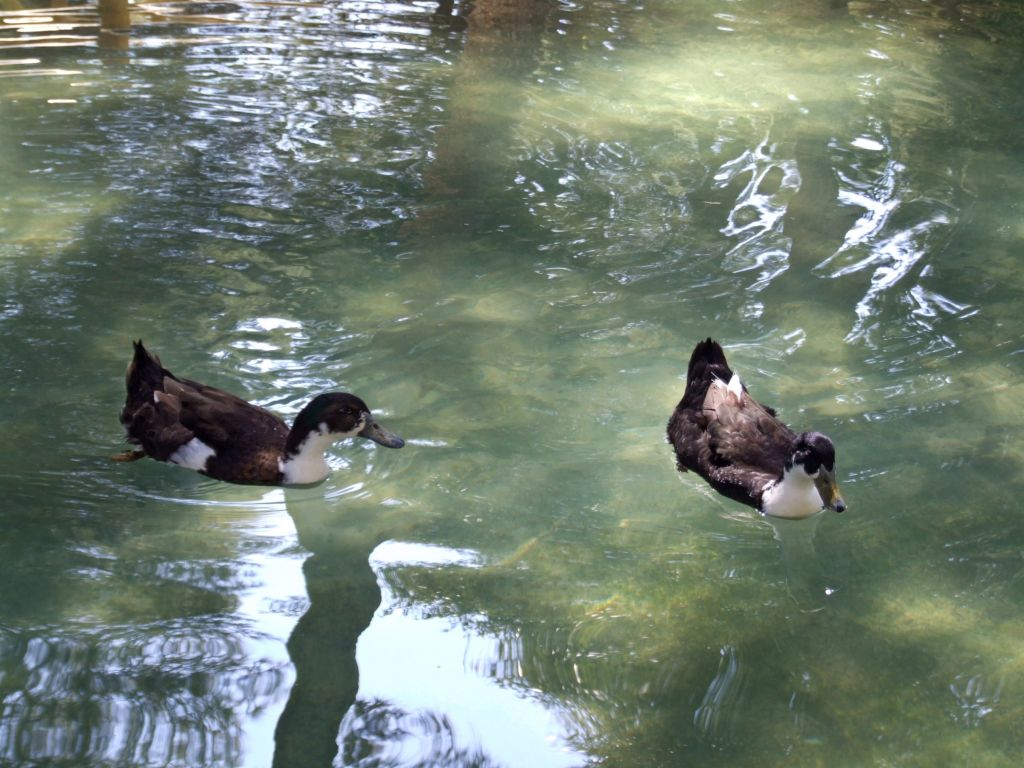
x=505 y=226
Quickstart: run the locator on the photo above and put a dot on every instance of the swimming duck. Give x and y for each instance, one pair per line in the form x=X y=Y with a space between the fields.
x=741 y=447
x=223 y=436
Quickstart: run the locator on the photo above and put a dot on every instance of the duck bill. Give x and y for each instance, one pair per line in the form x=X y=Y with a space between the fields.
x=829 y=490
x=377 y=433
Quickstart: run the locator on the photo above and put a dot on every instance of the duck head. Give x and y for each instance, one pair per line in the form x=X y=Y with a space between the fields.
x=326 y=419
x=342 y=415
x=816 y=454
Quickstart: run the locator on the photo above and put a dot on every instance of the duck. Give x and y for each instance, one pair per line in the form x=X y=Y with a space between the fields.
x=222 y=436
x=743 y=450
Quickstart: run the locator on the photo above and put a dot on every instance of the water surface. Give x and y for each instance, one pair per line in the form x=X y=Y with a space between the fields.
x=505 y=226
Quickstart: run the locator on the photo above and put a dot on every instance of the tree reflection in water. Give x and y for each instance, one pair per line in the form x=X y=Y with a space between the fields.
x=154 y=699
x=162 y=691
x=373 y=726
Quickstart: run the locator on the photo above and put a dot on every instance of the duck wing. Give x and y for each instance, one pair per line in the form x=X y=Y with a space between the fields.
x=734 y=443
x=148 y=420
x=742 y=432
x=221 y=419
x=157 y=427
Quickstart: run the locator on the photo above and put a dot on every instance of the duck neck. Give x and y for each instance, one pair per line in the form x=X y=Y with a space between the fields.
x=303 y=462
x=792 y=495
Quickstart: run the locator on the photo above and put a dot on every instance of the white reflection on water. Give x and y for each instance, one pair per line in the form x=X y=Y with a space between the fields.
x=714 y=715
x=975 y=698
x=434 y=669
x=273 y=602
x=178 y=660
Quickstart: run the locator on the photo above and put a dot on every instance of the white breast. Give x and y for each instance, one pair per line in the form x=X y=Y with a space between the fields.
x=795 y=495
x=309 y=465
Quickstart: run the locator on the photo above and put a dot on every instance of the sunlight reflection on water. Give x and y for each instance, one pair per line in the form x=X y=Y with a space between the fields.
x=457 y=703
x=232 y=663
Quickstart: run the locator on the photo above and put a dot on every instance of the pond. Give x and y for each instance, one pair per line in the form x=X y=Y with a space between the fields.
x=505 y=225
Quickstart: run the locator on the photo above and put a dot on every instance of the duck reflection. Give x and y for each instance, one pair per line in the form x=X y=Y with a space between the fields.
x=806 y=578
x=343 y=598
x=160 y=640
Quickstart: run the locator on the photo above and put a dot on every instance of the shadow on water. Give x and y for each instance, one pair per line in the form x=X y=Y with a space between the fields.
x=465 y=184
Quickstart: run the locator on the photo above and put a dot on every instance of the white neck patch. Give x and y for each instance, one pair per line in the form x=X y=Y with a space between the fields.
x=795 y=495
x=309 y=465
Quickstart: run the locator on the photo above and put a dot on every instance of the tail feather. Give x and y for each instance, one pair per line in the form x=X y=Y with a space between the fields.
x=144 y=376
x=707 y=361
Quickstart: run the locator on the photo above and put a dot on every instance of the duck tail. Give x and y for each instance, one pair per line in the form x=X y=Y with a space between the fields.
x=144 y=376
x=707 y=362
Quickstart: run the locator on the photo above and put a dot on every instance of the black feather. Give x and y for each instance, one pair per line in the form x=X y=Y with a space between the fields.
x=736 y=444
x=163 y=412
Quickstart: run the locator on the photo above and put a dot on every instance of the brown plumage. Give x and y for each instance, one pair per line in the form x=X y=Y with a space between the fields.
x=221 y=435
x=741 y=447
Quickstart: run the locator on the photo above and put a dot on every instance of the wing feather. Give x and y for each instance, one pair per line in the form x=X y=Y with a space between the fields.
x=744 y=433
x=221 y=419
